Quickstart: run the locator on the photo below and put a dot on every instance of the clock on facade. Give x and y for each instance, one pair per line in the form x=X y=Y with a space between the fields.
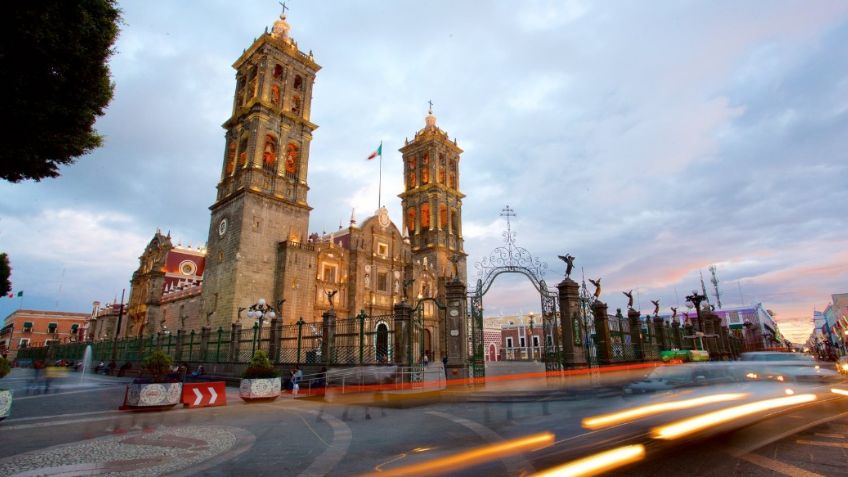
x=222 y=227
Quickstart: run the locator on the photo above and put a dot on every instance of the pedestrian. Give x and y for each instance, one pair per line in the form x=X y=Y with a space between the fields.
x=445 y=364
x=426 y=360
x=296 y=377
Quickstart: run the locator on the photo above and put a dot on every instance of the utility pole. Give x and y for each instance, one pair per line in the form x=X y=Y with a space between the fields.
x=703 y=287
x=714 y=281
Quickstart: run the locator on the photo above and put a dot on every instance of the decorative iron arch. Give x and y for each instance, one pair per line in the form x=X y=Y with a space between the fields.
x=511 y=258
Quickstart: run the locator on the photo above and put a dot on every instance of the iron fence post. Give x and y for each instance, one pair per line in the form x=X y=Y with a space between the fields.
x=255 y=332
x=300 y=324
x=218 y=345
x=361 y=317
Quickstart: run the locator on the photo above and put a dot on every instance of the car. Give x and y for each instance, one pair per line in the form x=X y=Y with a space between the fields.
x=665 y=378
x=784 y=366
x=842 y=364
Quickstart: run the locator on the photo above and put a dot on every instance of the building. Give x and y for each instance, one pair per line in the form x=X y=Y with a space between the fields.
x=27 y=328
x=836 y=323
x=513 y=337
x=104 y=320
x=259 y=245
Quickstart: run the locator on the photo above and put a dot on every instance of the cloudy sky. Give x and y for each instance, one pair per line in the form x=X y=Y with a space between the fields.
x=649 y=142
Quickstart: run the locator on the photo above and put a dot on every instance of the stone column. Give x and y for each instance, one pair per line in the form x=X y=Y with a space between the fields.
x=178 y=349
x=726 y=352
x=400 y=346
x=675 y=332
x=659 y=329
x=457 y=331
x=204 y=343
x=569 y=312
x=602 y=334
x=235 y=342
x=328 y=337
x=274 y=340
x=635 y=334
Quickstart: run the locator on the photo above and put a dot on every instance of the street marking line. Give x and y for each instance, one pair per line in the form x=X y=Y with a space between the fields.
x=379 y=468
x=54 y=416
x=308 y=426
x=832 y=436
x=103 y=388
x=778 y=466
x=843 y=445
x=342 y=435
x=515 y=465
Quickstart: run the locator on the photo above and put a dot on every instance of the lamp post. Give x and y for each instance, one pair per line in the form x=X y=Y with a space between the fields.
x=261 y=310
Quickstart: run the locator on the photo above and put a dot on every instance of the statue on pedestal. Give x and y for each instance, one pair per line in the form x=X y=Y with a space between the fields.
x=629 y=295
x=597 y=284
x=569 y=263
x=330 y=295
x=656 y=307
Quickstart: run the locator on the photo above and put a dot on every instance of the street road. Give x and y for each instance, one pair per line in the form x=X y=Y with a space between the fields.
x=76 y=429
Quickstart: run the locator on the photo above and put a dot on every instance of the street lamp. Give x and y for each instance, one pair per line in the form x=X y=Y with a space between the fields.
x=261 y=310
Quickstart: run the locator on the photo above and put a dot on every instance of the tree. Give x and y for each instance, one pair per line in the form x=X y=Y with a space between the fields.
x=5 y=273
x=54 y=82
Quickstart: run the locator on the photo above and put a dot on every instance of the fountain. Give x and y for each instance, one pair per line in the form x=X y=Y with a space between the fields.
x=86 y=363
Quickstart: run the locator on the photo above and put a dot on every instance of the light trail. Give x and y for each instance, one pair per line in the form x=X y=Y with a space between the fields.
x=480 y=455
x=611 y=419
x=597 y=463
x=712 y=419
x=842 y=392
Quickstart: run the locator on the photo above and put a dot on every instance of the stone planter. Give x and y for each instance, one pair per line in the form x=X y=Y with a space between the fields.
x=5 y=403
x=266 y=389
x=152 y=395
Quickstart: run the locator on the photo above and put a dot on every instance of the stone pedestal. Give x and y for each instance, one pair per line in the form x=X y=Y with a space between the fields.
x=570 y=331
x=635 y=334
x=456 y=332
x=659 y=329
x=603 y=344
x=675 y=333
x=328 y=337
x=403 y=339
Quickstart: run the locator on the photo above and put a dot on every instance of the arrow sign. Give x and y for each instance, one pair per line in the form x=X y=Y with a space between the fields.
x=204 y=394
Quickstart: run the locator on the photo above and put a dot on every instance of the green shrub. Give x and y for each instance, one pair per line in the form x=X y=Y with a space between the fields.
x=5 y=368
x=260 y=367
x=156 y=364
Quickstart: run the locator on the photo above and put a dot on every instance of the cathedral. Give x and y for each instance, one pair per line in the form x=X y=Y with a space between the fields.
x=259 y=245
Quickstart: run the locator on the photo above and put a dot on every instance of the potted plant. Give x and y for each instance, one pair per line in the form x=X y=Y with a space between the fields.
x=260 y=381
x=158 y=388
x=5 y=394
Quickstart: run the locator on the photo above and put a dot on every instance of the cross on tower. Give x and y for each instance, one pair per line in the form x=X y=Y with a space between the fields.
x=508 y=212
x=284 y=8
x=430 y=102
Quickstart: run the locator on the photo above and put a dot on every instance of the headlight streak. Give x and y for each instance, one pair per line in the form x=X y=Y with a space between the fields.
x=842 y=392
x=606 y=420
x=480 y=455
x=597 y=463
x=711 y=419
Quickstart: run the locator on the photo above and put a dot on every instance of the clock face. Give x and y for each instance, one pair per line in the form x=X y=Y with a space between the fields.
x=222 y=227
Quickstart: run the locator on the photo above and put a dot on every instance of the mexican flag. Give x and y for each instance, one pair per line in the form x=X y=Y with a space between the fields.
x=377 y=152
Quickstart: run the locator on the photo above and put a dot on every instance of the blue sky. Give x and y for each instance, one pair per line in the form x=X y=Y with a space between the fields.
x=649 y=140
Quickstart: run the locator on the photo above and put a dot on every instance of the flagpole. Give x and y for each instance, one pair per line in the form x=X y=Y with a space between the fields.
x=380 y=183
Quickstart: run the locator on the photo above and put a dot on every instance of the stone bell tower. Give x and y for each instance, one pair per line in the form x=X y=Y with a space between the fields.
x=262 y=193
x=432 y=202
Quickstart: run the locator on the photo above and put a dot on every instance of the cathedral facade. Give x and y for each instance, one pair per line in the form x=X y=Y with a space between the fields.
x=258 y=244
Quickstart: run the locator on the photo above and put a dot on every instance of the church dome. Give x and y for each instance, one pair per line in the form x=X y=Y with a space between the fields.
x=430 y=120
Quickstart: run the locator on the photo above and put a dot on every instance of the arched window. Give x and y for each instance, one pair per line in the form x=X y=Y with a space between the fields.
x=231 y=158
x=269 y=154
x=425 y=169
x=278 y=72
x=425 y=215
x=242 y=152
x=295 y=104
x=442 y=166
x=240 y=90
x=275 y=95
x=452 y=175
x=292 y=158
x=410 y=173
x=251 y=86
x=298 y=83
x=443 y=217
x=454 y=222
x=410 y=220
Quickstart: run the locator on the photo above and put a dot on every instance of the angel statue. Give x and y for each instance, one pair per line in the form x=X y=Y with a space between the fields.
x=597 y=284
x=656 y=307
x=330 y=295
x=629 y=295
x=569 y=263
x=674 y=313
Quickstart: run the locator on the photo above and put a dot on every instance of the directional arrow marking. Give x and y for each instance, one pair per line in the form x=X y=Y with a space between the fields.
x=198 y=398
x=214 y=395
